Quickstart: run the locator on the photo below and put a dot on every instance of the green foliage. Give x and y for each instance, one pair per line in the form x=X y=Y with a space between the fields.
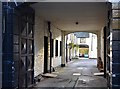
x=72 y=45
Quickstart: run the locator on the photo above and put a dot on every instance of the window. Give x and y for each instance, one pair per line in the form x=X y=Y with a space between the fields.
x=82 y=40
x=60 y=48
x=56 y=48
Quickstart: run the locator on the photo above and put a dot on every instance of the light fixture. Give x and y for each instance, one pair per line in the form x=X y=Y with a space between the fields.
x=76 y=23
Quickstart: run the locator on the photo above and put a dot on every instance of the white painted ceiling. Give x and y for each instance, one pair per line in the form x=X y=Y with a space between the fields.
x=91 y=16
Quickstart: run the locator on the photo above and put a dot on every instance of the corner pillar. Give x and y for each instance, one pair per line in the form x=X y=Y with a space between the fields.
x=63 y=50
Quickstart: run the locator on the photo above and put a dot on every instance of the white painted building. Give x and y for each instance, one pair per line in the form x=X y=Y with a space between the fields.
x=91 y=41
x=72 y=52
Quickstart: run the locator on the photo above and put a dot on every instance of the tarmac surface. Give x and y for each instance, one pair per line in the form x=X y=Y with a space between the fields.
x=78 y=74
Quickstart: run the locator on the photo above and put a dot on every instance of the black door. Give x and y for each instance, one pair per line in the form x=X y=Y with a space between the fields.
x=23 y=39
x=45 y=54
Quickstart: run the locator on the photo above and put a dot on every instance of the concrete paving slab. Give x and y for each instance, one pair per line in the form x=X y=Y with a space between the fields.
x=49 y=75
x=85 y=80
x=99 y=74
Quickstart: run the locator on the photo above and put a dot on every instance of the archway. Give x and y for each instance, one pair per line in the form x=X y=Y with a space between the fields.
x=81 y=44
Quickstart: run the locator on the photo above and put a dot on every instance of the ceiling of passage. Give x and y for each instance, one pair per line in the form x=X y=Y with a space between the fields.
x=91 y=16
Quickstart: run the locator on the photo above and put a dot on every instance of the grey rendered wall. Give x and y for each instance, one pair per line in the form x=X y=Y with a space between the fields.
x=0 y=44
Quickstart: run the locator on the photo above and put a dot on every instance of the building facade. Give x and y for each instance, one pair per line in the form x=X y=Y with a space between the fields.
x=79 y=39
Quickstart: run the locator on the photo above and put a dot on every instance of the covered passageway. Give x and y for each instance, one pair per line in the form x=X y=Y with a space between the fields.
x=34 y=38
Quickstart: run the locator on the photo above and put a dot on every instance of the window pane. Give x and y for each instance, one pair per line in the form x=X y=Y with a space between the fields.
x=82 y=40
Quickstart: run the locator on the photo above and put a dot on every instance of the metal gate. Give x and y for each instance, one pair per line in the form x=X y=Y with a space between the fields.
x=20 y=21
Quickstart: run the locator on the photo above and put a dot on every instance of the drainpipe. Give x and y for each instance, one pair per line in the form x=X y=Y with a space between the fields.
x=49 y=29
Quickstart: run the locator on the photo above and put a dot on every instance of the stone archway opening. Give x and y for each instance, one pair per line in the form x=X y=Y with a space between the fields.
x=81 y=45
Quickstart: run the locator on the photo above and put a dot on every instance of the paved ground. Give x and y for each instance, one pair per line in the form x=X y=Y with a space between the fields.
x=77 y=74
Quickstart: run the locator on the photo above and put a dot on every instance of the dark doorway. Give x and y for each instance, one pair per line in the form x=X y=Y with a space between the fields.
x=45 y=54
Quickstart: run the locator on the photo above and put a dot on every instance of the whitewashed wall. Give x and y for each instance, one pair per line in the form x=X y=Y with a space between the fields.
x=93 y=50
x=39 y=45
x=56 y=35
x=40 y=32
